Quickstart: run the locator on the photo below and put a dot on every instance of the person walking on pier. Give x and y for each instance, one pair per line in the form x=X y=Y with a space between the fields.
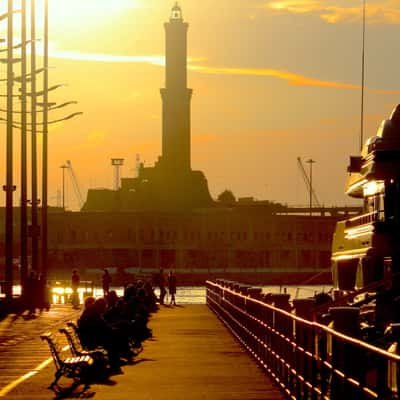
x=106 y=281
x=75 y=281
x=161 y=284
x=172 y=286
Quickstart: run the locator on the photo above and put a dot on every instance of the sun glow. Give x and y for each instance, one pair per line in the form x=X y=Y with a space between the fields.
x=89 y=10
x=76 y=14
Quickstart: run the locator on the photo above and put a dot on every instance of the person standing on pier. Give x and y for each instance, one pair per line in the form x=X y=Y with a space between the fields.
x=106 y=281
x=32 y=293
x=172 y=286
x=161 y=285
x=75 y=281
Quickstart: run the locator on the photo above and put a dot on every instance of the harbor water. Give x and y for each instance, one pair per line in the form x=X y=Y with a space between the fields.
x=197 y=294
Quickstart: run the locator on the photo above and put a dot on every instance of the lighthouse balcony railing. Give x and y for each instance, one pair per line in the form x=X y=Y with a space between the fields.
x=307 y=360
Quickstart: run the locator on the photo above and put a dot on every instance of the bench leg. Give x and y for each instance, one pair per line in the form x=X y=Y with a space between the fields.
x=57 y=375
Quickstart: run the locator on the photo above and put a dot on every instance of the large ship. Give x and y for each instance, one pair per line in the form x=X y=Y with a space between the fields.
x=365 y=248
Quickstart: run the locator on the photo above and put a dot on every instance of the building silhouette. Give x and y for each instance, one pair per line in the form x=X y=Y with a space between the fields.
x=171 y=184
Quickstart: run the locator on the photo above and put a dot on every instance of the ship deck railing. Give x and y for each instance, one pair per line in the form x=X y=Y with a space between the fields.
x=365 y=219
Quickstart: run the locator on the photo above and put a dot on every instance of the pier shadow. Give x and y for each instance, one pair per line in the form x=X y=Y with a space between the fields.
x=75 y=391
x=135 y=362
x=173 y=306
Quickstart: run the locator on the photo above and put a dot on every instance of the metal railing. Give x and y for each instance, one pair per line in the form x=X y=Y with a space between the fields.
x=306 y=359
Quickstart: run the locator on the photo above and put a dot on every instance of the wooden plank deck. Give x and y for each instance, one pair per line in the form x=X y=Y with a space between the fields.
x=192 y=356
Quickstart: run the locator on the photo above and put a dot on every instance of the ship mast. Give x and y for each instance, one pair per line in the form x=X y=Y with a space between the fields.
x=362 y=78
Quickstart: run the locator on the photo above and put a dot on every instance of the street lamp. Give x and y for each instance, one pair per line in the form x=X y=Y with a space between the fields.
x=45 y=138
x=34 y=194
x=63 y=167
x=9 y=187
x=311 y=162
x=24 y=179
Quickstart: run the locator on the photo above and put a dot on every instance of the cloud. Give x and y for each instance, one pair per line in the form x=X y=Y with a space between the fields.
x=386 y=12
x=290 y=77
x=98 y=57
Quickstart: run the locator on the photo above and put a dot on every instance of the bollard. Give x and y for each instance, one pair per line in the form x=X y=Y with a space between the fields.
x=266 y=298
x=255 y=292
x=281 y=301
x=244 y=289
x=304 y=308
x=345 y=320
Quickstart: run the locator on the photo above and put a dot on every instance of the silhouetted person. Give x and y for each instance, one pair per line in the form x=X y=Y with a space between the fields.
x=75 y=281
x=95 y=331
x=43 y=294
x=161 y=285
x=172 y=286
x=32 y=293
x=106 y=281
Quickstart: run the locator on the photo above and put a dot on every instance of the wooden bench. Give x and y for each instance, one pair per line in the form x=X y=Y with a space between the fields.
x=79 y=368
x=99 y=355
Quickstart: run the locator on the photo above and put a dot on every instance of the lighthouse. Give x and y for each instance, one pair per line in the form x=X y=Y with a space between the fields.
x=171 y=184
x=176 y=97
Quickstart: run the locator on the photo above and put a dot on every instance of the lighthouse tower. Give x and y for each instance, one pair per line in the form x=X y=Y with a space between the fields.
x=176 y=96
x=171 y=185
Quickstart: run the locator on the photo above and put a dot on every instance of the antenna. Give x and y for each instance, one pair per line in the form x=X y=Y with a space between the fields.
x=137 y=166
x=362 y=78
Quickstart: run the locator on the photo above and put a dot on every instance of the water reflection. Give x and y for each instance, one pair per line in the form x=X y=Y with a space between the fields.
x=61 y=293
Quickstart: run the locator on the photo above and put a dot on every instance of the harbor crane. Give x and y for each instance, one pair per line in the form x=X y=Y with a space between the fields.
x=307 y=182
x=75 y=184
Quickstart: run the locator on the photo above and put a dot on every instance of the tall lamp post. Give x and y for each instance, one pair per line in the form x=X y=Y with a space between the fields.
x=45 y=141
x=34 y=200
x=311 y=162
x=35 y=230
x=24 y=182
x=9 y=187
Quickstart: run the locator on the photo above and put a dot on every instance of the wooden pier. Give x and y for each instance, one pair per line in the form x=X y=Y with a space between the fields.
x=192 y=356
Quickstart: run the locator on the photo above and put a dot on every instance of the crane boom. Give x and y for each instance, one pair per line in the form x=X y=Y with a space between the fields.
x=75 y=184
x=307 y=181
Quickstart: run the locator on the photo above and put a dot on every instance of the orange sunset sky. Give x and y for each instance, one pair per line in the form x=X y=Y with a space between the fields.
x=272 y=80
